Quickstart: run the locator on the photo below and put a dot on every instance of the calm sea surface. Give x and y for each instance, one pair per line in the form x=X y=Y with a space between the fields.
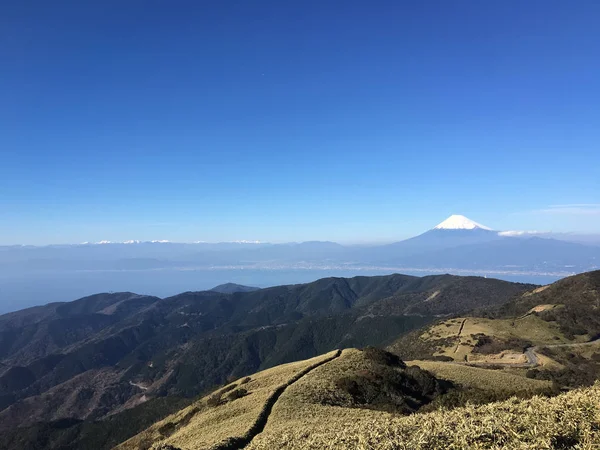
x=24 y=290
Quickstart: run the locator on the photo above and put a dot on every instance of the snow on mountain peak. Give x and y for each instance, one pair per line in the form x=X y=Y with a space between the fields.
x=458 y=222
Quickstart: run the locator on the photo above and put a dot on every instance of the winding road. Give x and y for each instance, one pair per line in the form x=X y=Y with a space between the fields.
x=529 y=352
x=532 y=358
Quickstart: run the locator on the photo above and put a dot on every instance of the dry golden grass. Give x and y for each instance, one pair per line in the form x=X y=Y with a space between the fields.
x=536 y=291
x=446 y=329
x=302 y=418
x=320 y=385
x=571 y=420
x=548 y=363
x=504 y=357
x=497 y=381
x=530 y=328
x=200 y=426
x=540 y=308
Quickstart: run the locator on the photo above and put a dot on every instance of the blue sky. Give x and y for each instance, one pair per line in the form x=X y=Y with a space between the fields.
x=350 y=121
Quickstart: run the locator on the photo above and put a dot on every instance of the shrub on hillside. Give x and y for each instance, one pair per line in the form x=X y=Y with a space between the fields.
x=214 y=400
x=226 y=389
x=386 y=388
x=164 y=447
x=488 y=345
x=238 y=393
x=380 y=356
x=167 y=429
x=441 y=358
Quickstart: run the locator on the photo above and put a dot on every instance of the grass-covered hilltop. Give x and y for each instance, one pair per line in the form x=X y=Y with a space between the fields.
x=483 y=364
x=371 y=400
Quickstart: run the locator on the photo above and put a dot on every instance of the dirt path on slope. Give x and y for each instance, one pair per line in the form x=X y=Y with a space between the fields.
x=238 y=443
x=462 y=325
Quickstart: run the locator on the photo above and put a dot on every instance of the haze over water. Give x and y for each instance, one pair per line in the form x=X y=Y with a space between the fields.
x=17 y=292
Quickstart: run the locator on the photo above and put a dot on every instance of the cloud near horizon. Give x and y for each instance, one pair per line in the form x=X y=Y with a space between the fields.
x=513 y=233
x=574 y=209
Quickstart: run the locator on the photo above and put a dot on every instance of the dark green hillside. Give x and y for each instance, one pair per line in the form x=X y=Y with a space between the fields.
x=448 y=294
x=72 y=434
x=578 y=298
x=186 y=344
x=36 y=332
x=559 y=322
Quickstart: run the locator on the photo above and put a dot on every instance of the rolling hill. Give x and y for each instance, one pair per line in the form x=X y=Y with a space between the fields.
x=549 y=333
x=522 y=349
x=103 y=354
x=369 y=399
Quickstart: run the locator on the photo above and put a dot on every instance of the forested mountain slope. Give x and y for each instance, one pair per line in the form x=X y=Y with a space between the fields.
x=548 y=333
x=104 y=353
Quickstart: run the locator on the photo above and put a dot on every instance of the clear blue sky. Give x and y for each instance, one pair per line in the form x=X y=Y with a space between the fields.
x=278 y=120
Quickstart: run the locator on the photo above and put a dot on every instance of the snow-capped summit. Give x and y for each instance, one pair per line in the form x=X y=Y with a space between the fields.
x=458 y=222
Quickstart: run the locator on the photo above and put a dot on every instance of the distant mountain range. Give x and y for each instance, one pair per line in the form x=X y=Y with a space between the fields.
x=457 y=245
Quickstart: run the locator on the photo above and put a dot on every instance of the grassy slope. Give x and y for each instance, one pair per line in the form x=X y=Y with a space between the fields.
x=530 y=328
x=557 y=320
x=443 y=339
x=201 y=426
x=314 y=413
x=476 y=377
x=560 y=313
x=579 y=297
x=320 y=387
x=561 y=422
x=301 y=420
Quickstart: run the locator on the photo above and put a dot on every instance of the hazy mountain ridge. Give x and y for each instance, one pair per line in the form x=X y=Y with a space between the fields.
x=531 y=253
x=230 y=288
x=457 y=245
x=449 y=245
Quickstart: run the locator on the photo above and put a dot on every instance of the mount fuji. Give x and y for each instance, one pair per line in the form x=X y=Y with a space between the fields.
x=461 y=243
x=458 y=222
x=455 y=231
